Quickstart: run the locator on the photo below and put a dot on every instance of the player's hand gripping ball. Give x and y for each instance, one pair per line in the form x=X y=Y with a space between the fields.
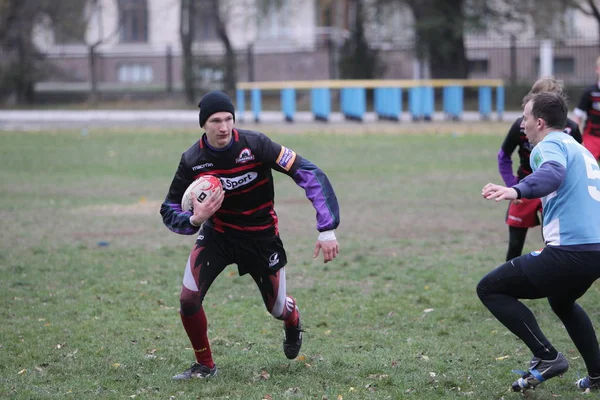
x=202 y=188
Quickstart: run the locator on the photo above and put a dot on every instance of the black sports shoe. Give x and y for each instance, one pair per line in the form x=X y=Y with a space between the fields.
x=588 y=383
x=292 y=340
x=196 y=371
x=540 y=371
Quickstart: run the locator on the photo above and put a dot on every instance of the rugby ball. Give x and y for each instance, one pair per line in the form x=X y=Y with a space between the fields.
x=202 y=188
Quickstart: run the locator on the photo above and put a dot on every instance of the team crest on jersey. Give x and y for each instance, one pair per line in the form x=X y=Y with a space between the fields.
x=286 y=158
x=245 y=156
x=537 y=160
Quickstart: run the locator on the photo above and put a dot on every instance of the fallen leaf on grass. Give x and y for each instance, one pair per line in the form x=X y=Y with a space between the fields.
x=302 y=358
x=378 y=376
x=502 y=358
x=328 y=332
x=428 y=310
x=115 y=365
x=267 y=397
x=21 y=372
x=264 y=375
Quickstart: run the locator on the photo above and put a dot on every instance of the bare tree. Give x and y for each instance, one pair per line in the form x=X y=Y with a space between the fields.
x=359 y=60
x=72 y=20
x=230 y=57
x=187 y=22
x=439 y=32
x=20 y=61
x=591 y=8
x=441 y=25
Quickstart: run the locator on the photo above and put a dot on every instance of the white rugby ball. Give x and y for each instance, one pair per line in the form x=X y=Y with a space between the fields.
x=202 y=188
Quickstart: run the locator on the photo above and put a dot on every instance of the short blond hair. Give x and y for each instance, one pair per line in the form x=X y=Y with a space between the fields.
x=547 y=84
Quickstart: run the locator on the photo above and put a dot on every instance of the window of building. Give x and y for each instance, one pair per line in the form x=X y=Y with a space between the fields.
x=275 y=20
x=478 y=66
x=560 y=65
x=564 y=65
x=134 y=21
x=206 y=24
x=135 y=73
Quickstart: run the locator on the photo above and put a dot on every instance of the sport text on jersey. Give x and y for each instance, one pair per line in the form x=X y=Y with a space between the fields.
x=238 y=181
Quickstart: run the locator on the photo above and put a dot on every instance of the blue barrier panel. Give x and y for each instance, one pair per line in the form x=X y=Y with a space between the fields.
x=415 y=102
x=446 y=99
x=344 y=101
x=394 y=103
x=288 y=103
x=256 y=104
x=485 y=101
x=320 y=103
x=453 y=102
x=353 y=103
x=500 y=102
x=239 y=100
x=379 y=101
x=388 y=103
x=428 y=103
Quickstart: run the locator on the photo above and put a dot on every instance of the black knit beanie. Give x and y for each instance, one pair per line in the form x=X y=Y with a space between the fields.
x=214 y=102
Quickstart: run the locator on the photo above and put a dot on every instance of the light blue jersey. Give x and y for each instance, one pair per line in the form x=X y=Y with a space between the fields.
x=572 y=212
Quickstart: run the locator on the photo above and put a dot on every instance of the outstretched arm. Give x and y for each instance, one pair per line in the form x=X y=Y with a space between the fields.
x=319 y=191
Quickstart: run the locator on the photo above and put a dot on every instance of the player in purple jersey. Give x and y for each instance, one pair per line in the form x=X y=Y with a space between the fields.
x=523 y=214
x=588 y=109
x=238 y=225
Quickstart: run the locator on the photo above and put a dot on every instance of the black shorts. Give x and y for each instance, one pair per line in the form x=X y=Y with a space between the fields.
x=260 y=255
x=556 y=271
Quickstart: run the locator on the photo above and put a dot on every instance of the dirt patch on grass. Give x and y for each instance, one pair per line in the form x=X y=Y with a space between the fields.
x=142 y=207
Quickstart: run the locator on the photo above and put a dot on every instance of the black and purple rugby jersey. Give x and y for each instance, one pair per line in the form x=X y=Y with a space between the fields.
x=516 y=139
x=244 y=168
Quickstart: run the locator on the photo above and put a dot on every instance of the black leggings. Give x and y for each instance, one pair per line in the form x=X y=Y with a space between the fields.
x=500 y=290
x=516 y=242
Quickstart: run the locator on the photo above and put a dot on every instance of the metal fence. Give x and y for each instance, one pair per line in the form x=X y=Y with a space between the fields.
x=154 y=73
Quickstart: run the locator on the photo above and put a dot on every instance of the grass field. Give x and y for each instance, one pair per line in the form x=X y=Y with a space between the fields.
x=90 y=278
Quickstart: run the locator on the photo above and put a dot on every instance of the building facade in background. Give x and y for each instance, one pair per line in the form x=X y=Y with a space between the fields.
x=137 y=44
